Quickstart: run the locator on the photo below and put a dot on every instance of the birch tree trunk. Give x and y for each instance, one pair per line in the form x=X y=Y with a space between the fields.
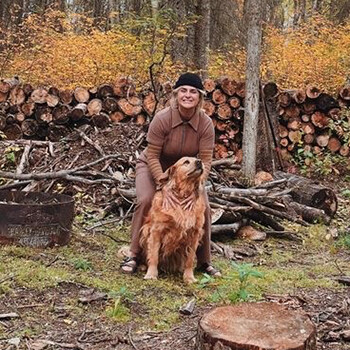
x=201 y=51
x=252 y=89
x=154 y=6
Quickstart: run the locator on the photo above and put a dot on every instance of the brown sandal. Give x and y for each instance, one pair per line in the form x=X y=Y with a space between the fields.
x=210 y=270
x=129 y=265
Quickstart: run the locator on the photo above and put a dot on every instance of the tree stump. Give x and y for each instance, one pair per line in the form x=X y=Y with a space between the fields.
x=253 y=326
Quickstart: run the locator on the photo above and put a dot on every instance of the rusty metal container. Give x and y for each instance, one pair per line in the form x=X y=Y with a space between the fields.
x=35 y=219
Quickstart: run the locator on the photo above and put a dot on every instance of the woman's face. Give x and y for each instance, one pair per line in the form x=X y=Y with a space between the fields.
x=187 y=97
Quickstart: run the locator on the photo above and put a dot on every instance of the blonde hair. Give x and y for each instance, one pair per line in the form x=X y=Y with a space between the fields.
x=173 y=99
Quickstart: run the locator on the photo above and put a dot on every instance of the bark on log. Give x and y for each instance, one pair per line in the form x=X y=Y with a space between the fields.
x=2 y=122
x=78 y=112
x=249 y=326
x=100 y=120
x=309 y=193
x=13 y=132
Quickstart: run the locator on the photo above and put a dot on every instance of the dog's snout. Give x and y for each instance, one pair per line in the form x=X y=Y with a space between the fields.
x=199 y=164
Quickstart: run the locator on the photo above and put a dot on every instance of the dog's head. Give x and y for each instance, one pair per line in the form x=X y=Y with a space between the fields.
x=184 y=175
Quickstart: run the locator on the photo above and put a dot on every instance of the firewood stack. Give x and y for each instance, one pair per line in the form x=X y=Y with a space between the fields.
x=308 y=118
x=225 y=105
x=49 y=113
x=312 y=120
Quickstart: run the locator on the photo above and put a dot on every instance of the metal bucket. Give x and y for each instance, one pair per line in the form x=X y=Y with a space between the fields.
x=35 y=219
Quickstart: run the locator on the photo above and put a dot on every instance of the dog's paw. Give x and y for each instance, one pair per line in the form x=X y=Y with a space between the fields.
x=189 y=279
x=149 y=276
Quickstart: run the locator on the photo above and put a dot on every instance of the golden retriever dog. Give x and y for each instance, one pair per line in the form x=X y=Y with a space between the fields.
x=171 y=233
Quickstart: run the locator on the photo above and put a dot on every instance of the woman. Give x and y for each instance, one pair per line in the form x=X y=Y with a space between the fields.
x=182 y=129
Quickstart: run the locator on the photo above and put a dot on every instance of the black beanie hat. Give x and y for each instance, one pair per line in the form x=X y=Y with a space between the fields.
x=190 y=79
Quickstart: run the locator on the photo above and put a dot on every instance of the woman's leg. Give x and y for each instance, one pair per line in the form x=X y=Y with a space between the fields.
x=203 y=251
x=145 y=189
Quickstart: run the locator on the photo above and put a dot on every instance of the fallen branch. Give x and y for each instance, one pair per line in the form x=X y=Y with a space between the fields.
x=65 y=174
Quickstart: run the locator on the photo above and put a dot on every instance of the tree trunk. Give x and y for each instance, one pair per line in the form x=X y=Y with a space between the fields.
x=252 y=90
x=202 y=35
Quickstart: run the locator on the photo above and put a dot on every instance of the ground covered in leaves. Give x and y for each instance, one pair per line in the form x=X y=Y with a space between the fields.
x=74 y=297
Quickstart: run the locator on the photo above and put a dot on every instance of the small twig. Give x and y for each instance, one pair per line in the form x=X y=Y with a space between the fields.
x=15 y=185
x=96 y=146
x=52 y=261
x=56 y=174
x=338 y=267
x=10 y=277
x=29 y=306
x=106 y=222
x=24 y=159
x=131 y=341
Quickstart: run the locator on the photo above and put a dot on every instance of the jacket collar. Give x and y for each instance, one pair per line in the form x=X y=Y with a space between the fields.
x=176 y=119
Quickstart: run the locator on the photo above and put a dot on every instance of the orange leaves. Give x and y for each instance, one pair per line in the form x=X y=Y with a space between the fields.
x=316 y=53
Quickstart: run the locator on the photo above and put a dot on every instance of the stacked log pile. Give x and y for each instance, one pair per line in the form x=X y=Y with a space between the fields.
x=308 y=118
x=50 y=114
x=314 y=121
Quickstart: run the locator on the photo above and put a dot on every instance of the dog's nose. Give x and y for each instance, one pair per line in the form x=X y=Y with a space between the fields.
x=199 y=164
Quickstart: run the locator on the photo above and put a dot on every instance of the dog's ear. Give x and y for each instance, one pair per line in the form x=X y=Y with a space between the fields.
x=167 y=175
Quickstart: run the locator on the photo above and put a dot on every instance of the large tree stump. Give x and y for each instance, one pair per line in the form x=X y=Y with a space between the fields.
x=253 y=326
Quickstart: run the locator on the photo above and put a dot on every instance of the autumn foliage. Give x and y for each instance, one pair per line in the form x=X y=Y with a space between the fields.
x=67 y=50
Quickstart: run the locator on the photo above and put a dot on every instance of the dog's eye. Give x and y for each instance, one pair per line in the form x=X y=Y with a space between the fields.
x=186 y=162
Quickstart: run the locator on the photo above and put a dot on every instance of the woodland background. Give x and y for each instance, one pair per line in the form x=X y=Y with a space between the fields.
x=75 y=42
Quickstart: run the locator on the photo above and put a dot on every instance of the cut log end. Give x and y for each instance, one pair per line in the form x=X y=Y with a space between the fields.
x=255 y=326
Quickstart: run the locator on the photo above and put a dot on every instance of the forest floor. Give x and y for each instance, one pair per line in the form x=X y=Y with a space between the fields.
x=75 y=297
